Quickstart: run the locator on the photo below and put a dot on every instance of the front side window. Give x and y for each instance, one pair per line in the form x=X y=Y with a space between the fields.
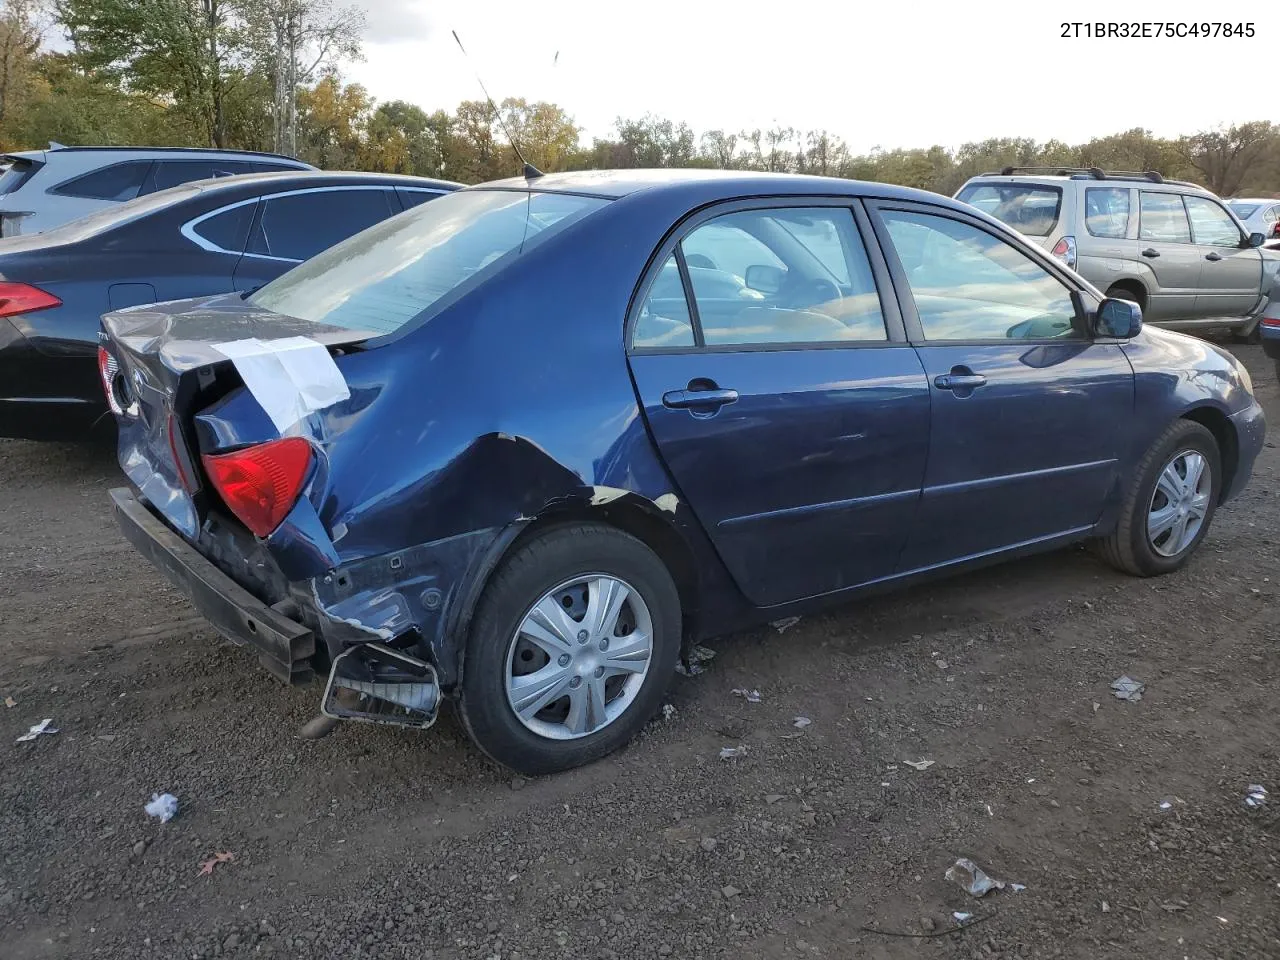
x=171 y=173
x=968 y=284
x=780 y=276
x=1162 y=218
x=1210 y=224
x=1106 y=212
x=384 y=277
x=119 y=182
x=297 y=226
x=1029 y=209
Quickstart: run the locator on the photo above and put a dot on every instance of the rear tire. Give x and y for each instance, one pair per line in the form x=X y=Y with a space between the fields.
x=1160 y=490
x=1118 y=292
x=526 y=649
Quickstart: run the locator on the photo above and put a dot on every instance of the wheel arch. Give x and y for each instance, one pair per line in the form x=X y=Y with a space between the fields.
x=1134 y=286
x=630 y=513
x=1224 y=433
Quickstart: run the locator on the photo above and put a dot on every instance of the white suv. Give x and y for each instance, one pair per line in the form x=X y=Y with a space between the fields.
x=41 y=189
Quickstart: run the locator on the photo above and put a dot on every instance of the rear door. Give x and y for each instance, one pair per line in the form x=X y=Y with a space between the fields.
x=1030 y=415
x=1231 y=275
x=295 y=226
x=782 y=395
x=1166 y=247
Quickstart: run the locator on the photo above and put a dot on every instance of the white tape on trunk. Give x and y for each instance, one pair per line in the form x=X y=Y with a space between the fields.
x=291 y=378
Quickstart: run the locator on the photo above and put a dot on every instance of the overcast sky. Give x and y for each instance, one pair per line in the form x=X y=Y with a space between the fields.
x=896 y=73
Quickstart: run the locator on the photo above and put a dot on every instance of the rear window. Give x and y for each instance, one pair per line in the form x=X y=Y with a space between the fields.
x=1244 y=210
x=382 y=278
x=1031 y=210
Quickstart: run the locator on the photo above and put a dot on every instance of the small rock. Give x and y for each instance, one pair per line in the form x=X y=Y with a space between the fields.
x=708 y=843
x=140 y=848
x=773 y=798
x=231 y=942
x=597 y=884
x=619 y=918
x=1055 y=804
x=664 y=951
x=927 y=924
x=517 y=783
x=729 y=892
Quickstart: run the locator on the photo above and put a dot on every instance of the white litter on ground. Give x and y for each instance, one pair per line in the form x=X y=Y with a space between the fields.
x=972 y=877
x=1257 y=795
x=785 y=624
x=919 y=764
x=729 y=753
x=1127 y=688
x=163 y=805
x=37 y=730
x=801 y=722
x=751 y=696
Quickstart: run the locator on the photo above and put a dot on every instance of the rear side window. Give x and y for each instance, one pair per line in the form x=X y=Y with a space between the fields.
x=412 y=198
x=1163 y=218
x=1028 y=208
x=171 y=173
x=664 y=316
x=120 y=181
x=1106 y=212
x=229 y=229
x=300 y=225
x=379 y=280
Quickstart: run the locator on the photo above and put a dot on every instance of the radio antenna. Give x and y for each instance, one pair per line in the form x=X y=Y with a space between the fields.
x=529 y=171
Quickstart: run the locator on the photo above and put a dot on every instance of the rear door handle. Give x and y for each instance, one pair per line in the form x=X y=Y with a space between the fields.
x=959 y=381
x=1151 y=252
x=687 y=399
x=1213 y=256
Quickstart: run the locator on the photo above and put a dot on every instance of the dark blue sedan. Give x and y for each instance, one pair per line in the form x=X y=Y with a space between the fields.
x=521 y=447
x=209 y=236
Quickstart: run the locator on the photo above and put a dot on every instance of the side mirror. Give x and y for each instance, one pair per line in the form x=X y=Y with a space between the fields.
x=1256 y=239
x=764 y=278
x=1121 y=319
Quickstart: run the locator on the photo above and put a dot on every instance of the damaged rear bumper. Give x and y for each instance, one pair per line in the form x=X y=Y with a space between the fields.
x=285 y=646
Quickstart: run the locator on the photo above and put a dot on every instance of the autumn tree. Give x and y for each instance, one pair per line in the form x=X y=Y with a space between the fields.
x=1228 y=157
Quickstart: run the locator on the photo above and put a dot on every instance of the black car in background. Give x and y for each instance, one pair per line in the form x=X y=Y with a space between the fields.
x=202 y=238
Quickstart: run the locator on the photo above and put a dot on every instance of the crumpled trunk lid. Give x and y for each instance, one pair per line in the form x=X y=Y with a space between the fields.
x=167 y=368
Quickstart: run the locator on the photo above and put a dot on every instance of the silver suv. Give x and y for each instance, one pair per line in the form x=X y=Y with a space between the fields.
x=1172 y=247
x=41 y=189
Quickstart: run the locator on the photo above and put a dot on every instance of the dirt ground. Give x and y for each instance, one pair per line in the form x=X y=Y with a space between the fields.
x=382 y=843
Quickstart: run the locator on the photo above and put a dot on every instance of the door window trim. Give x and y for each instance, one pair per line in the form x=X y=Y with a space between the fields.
x=889 y=310
x=188 y=228
x=907 y=303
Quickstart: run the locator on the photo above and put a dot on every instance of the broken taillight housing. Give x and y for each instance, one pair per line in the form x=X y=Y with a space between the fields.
x=16 y=298
x=260 y=484
x=109 y=370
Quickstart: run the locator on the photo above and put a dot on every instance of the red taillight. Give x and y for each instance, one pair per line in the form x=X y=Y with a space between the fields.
x=1272 y=322
x=18 y=298
x=261 y=484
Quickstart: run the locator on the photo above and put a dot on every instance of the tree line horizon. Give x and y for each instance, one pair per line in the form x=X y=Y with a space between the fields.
x=267 y=75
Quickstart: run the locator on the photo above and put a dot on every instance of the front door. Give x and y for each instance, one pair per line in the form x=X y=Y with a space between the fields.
x=1165 y=246
x=783 y=397
x=1030 y=415
x=1231 y=275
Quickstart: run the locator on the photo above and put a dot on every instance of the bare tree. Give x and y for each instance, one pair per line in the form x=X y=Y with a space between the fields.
x=1228 y=156
x=297 y=41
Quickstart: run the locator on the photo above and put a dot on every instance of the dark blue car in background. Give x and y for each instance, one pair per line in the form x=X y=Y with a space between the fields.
x=522 y=446
x=204 y=237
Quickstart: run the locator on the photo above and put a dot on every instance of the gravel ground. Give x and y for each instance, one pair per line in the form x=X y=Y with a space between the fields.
x=817 y=842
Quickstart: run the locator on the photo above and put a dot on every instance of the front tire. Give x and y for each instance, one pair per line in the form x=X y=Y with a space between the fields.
x=572 y=648
x=1170 y=503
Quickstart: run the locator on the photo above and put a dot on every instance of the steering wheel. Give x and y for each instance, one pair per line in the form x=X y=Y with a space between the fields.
x=809 y=293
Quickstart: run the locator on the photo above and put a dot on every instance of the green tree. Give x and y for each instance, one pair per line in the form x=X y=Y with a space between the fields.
x=1229 y=157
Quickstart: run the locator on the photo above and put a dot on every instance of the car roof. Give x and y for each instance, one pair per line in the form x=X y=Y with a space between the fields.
x=716 y=184
x=1258 y=200
x=319 y=178
x=155 y=152
x=1059 y=180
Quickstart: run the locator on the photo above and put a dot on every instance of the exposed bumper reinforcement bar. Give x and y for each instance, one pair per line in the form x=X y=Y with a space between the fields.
x=285 y=646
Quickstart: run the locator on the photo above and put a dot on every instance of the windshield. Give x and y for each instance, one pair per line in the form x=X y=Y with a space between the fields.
x=1031 y=210
x=382 y=278
x=1244 y=210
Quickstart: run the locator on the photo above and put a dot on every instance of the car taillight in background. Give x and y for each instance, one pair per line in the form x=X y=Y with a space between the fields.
x=1065 y=250
x=260 y=484
x=16 y=298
